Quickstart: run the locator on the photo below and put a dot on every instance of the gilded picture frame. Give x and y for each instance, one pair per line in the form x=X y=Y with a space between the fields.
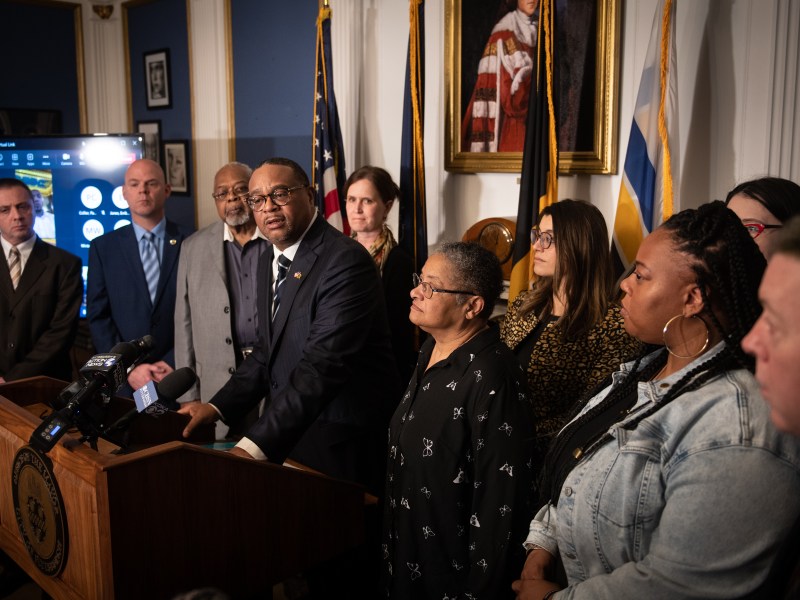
x=588 y=143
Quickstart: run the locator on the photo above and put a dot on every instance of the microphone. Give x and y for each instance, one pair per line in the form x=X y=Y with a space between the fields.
x=130 y=353
x=143 y=346
x=157 y=398
x=106 y=372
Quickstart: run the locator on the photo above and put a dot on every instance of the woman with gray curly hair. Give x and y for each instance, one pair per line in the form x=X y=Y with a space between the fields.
x=460 y=442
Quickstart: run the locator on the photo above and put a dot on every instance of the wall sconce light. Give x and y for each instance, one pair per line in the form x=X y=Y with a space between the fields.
x=104 y=11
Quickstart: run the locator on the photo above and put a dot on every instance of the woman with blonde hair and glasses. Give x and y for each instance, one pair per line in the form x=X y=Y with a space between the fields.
x=564 y=329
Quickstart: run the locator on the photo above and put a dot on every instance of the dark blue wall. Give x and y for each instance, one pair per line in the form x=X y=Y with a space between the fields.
x=273 y=68
x=273 y=77
x=38 y=67
x=151 y=27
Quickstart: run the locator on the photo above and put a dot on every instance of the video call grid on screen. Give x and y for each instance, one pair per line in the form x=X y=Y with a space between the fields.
x=77 y=186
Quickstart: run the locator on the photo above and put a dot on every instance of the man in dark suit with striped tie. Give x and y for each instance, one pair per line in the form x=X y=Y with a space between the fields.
x=133 y=273
x=40 y=293
x=324 y=358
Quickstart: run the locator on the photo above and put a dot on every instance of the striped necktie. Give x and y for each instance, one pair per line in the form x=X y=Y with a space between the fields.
x=149 y=254
x=283 y=268
x=14 y=266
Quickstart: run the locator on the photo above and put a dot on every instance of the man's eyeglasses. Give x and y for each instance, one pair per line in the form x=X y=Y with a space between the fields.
x=428 y=289
x=544 y=238
x=756 y=229
x=280 y=197
x=239 y=193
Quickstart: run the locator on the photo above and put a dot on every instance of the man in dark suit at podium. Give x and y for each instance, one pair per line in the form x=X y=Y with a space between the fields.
x=40 y=293
x=324 y=358
x=324 y=361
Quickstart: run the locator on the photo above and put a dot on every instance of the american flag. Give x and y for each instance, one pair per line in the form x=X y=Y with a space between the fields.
x=329 y=171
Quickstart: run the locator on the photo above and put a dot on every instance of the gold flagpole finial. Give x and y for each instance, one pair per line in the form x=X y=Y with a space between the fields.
x=325 y=4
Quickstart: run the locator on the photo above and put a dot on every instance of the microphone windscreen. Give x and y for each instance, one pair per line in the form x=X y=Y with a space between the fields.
x=128 y=351
x=145 y=343
x=176 y=384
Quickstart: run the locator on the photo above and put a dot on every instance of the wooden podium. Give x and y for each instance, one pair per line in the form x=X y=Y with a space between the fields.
x=172 y=516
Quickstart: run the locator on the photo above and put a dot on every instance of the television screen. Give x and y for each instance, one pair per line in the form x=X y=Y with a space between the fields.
x=76 y=183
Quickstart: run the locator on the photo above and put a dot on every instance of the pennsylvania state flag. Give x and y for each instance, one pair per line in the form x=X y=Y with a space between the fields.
x=539 y=182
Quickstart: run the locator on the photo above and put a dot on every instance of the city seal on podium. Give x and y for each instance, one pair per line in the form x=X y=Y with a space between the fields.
x=39 y=510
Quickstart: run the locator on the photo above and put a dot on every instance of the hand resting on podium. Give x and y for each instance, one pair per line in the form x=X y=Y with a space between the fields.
x=201 y=414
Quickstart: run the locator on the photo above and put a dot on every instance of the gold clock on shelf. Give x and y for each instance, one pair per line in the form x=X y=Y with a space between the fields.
x=497 y=235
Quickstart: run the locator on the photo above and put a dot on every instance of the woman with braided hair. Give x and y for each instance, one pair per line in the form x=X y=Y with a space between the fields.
x=672 y=482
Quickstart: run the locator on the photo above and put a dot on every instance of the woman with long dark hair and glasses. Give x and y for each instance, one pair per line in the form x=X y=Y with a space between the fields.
x=565 y=330
x=672 y=482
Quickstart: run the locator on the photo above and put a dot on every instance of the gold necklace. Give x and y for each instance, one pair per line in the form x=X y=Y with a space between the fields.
x=660 y=374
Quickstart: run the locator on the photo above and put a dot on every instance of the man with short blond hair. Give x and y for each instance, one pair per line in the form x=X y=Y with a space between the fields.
x=774 y=341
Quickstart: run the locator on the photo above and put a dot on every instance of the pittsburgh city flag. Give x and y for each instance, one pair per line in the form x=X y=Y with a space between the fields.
x=413 y=221
x=646 y=196
x=328 y=174
x=539 y=182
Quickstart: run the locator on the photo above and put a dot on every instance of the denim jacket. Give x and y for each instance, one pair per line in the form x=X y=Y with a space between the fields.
x=691 y=503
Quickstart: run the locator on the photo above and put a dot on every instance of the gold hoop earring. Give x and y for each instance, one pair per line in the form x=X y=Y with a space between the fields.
x=666 y=333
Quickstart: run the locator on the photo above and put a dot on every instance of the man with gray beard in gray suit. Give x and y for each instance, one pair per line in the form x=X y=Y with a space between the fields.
x=216 y=315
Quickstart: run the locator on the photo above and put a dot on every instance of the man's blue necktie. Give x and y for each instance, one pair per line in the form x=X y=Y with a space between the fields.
x=149 y=254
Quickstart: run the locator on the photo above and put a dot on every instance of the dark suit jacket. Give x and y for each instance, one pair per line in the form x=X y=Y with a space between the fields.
x=325 y=362
x=117 y=299
x=38 y=320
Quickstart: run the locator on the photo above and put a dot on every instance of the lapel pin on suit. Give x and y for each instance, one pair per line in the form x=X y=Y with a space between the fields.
x=297 y=274
x=173 y=241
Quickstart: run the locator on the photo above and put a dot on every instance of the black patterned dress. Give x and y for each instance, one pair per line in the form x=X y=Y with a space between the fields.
x=459 y=476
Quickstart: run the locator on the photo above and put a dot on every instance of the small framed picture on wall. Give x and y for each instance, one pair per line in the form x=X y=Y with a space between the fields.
x=157 y=79
x=151 y=132
x=175 y=154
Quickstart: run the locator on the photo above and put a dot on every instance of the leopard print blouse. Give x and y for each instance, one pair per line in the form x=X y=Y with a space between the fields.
x=560 y=372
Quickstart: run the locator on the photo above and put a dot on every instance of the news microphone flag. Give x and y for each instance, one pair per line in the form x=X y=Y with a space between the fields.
x=328 y=174
x=413 y=216
x=146 y=398
x=539 y=181
x=646 y=194
x=156 y=398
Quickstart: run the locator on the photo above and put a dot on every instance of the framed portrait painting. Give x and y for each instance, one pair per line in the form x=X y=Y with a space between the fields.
x=151 y=134
x=157 y=79
x=490 y=52
x=175 y=166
